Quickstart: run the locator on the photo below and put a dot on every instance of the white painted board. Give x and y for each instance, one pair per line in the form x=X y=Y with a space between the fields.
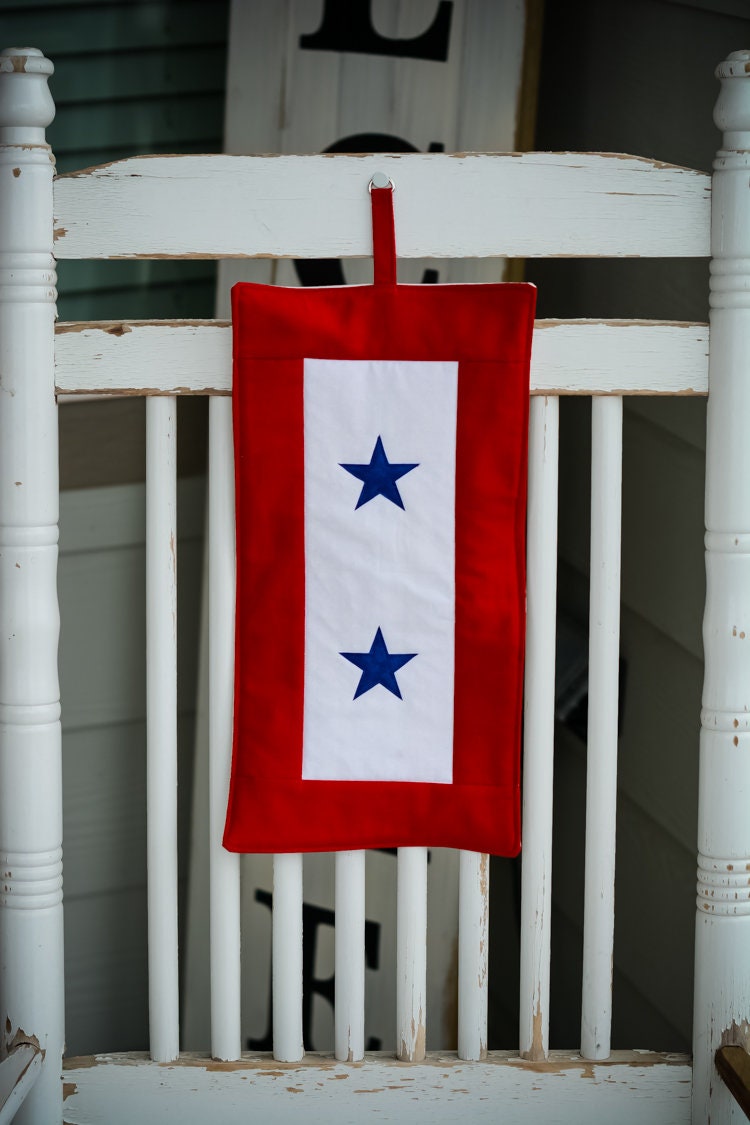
x=568 y=357
x=649 y=1089
x=468 y=206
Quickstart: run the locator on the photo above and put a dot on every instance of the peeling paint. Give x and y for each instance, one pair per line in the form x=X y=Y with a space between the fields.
x=16 y=172
x=118 y=327
x=20 y=1037
x=736 y=1035
x=536 y=1053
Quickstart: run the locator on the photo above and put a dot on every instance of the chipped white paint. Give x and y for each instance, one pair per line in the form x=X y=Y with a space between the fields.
x=287 y=958
x=551 y=204
x=19 y=1071
x=411 y=954
x=349 y=1012
x=722 y=948
x=633 y=1087
x=31 y=919
x=224 y=866
x=521 y=205
x=539 y=703
x=473 y=954
x=601 y=757
x=568 y=357
x=284 y=99
x=161 y=725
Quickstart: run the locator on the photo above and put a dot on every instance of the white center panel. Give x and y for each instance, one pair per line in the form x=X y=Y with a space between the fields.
x=379 y=566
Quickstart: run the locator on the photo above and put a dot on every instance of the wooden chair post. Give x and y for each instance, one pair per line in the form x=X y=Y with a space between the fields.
x=722 y=951
x=31 y=919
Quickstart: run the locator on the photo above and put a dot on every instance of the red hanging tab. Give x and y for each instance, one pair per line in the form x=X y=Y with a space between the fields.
x=383 y=234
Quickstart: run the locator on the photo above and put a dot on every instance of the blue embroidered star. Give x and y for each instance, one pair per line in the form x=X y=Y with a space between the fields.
x=379 y=477
x=379 y=666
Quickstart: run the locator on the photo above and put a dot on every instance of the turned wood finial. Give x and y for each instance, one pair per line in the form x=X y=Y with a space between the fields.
x=732 y=110
x=26 y=105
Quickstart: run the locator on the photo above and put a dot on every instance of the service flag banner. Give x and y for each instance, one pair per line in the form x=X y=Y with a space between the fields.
x=380 y=459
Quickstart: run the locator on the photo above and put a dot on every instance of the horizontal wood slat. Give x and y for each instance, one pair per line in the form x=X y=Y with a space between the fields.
x=631 y=1086
x=568 y=357
x=733 y=1064
x=476 y=205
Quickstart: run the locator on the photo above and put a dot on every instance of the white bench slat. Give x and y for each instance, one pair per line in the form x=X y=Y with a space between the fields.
x=568 y=357
x=474 y=205
x=633 y=1086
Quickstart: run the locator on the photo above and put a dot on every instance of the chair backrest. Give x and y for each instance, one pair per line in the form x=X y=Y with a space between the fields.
x=214 y=206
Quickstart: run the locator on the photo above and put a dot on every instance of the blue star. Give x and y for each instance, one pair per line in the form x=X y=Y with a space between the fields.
x=379 y=666
x=379 y=477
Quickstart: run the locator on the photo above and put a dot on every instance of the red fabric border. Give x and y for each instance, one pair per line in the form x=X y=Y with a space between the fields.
x=487 y=328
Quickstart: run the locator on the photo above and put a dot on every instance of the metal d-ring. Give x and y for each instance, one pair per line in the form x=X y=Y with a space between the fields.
x=380 y=176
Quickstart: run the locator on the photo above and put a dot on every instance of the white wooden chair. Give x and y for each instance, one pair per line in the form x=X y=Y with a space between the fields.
x=532 y=205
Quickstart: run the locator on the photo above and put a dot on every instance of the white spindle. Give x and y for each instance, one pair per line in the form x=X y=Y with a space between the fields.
x=226 y=1042
x=539 y=706
x=411 y=954
x=473 y=934
x=287 y=958
x=31 y=919
x=161 y=683
x=349 y=1015
x=601 y=784
x=722 y=947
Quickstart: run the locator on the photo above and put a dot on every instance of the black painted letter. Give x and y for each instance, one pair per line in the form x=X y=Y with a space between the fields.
x=347 y=26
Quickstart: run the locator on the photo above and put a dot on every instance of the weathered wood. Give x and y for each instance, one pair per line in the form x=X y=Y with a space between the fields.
x=579 y=357
x=19 y=1071
x=349 y=1010
x=161 y=719
x=224 y=883
x=286 y=960
x=733 y=1064
x=473 y=954
x=603 y=688
x=285 y=98
x=634 y=1086
x=31 y=918
x=722 y=945
x=411 y=955
x=539 y=703
x=522 y=205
